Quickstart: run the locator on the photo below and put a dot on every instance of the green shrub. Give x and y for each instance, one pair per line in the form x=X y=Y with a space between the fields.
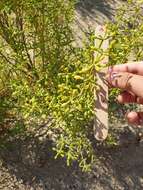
x=46 y=76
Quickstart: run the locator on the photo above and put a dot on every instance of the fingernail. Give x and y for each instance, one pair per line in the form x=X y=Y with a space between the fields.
x=114 y=75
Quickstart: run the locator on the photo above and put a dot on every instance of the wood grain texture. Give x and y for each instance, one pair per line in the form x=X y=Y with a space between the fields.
x=101 y=95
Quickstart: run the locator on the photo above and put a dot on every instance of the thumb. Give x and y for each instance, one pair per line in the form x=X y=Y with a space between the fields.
x=127 y=81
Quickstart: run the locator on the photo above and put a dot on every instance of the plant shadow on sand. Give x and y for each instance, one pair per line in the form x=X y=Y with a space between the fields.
x=89 y=13
x=87 y=8
x=31 y=162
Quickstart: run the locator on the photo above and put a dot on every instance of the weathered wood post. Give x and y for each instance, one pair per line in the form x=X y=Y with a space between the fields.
x=101 y=95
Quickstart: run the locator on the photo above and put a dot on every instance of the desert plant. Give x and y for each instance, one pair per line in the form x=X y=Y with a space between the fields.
x=45 y=74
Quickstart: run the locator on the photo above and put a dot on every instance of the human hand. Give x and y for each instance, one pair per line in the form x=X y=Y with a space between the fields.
x=129 y=78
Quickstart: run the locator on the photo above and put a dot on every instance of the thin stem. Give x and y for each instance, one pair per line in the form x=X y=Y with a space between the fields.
x=43 y=35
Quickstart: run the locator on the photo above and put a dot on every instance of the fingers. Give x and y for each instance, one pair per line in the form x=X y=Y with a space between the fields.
x=126 y=97
x=135 y=118
x=127 y=81
x=135 y=68
x=129 y=77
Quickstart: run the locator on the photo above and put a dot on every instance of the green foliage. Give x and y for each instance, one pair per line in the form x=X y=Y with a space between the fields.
x=127 y=34
x=126 y=45
x=46 y=76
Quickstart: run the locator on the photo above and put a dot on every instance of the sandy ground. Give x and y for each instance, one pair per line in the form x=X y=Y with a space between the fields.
x=91 y=13
x=27 y=163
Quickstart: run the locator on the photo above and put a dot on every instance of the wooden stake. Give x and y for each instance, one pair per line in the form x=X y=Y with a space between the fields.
x=101 y=95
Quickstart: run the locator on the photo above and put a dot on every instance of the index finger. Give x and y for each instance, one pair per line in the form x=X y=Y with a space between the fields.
x=133 y=67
